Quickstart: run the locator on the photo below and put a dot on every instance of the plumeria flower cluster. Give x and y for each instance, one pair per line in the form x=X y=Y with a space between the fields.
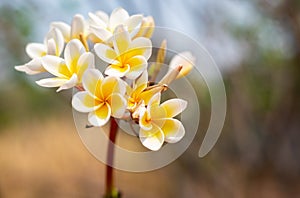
x=126 y=89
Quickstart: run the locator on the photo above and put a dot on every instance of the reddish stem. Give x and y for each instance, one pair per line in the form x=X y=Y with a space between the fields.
x=110 y=157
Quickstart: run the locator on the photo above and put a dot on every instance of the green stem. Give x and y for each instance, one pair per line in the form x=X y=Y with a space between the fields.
x=111 y=191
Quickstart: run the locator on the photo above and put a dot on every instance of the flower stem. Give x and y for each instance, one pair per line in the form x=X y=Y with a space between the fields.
x=111 y=191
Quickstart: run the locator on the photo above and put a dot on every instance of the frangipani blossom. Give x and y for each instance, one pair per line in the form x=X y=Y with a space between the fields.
x=53 y=45
x=103 y=26
x=186 y=60
x=127 y=57
x=102 y=98
x=68 y=71
x=157 y=124
x=77 y=29
x=140 y=93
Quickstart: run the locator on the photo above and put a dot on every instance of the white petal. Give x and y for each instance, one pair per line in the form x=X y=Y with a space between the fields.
x=112 y=85
x=73 y=51
x=32 y=67
x=138 y=64
x=105 y=53
x=118 y=105
x=64 y=28
x=110 y=71
x=152 y=139
x=173 y=130
x=85 y=61
x=51 y=82
x=174 y=106
x=145 y=119
x=133 y=24
x=56 y=35
x=97 y=21
x=51 y=47
x=69 y=84
x=83 y=102
x=56 y=66
x=35 y=50
x=90 y=80
x=121 y=39
x=142 y=79
x=101 y=116
x=154 y=101
x=141 y=46
x=103 y=16
x=117 y=17
x=103 y=34
x=78 y=26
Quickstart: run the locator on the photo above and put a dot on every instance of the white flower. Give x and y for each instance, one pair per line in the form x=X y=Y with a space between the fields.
x=103 y=26
x=53 y=45
x=103 y=98
x=127 y=57
x=68 y=71
x=157 y=123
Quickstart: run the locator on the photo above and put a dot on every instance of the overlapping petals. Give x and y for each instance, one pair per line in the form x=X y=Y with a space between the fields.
x=77 y=29
x=103 y=26
x=127 y=57
x=102 y=98
x=68 y=72
x=53 y=45
x=157 y=124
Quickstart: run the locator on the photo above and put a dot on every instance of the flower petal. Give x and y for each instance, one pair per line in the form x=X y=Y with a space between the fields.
x=145 y=119
x=73 y=51
x=51 y=82
x=105 y=53
x=69 y=84
x=147 y=94
x=133 y=24
x=173 y=130
x=140 y=46
x=91 y=81
x=141 y=80
x=147 y=28
x=152 y=139
x=56 y=66
x=186 y=59
x=83 y=102
x=138 y=64
x=64 y=28
x=118 y=105
x=101 y=116
x=32 y=67
x=103 y=34
x=111 y=85
x=173 y=107
x=117 y=71
x=35 y=50
x=154 y=101
x=86 y=60
x=121 y=40
x=78 y=26
x=56 y=35
x=97 y=21
x=103 y=16
x=117 y=17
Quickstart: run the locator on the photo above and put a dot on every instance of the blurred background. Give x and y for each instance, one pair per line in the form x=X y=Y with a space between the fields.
x=256 y=45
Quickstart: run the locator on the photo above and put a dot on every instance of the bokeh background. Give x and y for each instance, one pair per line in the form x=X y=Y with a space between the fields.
x=256 y=45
